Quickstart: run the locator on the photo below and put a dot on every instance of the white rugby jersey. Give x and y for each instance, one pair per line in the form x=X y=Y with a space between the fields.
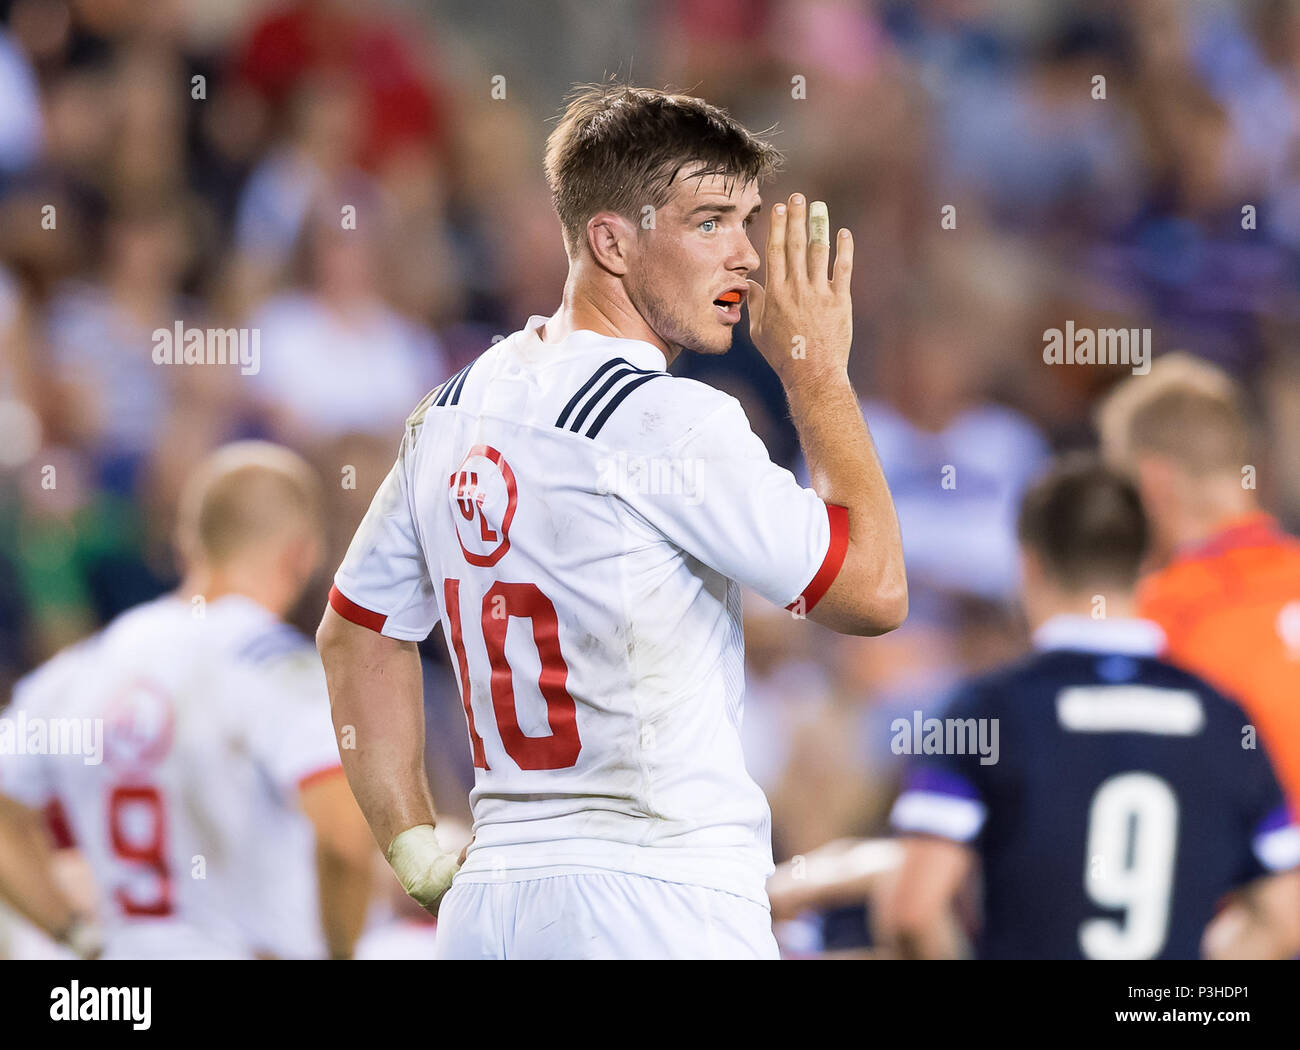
x=188 y=815
x=582 y=522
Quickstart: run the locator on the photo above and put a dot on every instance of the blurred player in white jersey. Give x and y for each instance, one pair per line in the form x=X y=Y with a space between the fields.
x=581 y=523
x=206 y=780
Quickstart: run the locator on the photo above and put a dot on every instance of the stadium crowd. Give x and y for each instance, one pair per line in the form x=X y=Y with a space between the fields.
x=360 y=183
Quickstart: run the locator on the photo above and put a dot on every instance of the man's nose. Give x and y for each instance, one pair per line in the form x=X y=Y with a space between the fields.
x=748 y=257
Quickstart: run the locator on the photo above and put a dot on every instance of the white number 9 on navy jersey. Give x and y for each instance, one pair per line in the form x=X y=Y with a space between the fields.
x=1129 y=864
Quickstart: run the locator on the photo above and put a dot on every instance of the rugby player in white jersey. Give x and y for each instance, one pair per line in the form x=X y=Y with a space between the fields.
x=581 y=523
x=215 y=788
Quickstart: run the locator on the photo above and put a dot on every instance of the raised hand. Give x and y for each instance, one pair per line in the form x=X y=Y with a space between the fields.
x=802 y=321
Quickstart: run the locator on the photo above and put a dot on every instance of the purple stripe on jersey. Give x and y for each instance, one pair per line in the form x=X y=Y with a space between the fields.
x=941 y=782
x=1276 y=820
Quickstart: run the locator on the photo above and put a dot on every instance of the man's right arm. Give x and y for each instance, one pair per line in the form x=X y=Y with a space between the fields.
x=382 y=601
x=802 y=322
x=869 y=595
x=377 y=702
x=376 y=699
x=29 y=884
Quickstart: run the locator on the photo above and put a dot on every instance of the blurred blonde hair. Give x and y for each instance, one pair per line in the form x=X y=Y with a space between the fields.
x=1186 y=410
x=244 y=495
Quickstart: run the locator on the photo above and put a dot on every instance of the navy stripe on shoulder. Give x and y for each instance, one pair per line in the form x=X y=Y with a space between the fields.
x=573 y=401
x=460 y=382
x=450 y=390
x=617 y=376
x=614 y=372
x=618 y=399
x=445 y=394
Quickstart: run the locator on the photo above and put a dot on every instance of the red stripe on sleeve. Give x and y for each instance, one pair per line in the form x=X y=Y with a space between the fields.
x=839 y=546
x=56 y=820
x=350 y=610
x=318 y=774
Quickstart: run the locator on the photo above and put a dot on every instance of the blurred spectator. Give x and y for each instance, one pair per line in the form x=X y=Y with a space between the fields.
x=335 y=358
x=311 y=168
x=840 y=775
x=20 y=115
x=111 y=396
x=785 y=687
x=956 y=464
x=227 y=207
x=365 y=40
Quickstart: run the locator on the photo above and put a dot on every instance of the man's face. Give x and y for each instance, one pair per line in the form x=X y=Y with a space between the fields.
x=698 y=250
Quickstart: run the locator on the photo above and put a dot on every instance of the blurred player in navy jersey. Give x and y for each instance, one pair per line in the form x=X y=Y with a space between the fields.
x=1124 y=805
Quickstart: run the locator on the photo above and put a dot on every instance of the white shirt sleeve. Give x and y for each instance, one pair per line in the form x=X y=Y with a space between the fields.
x=715 y=492
x=293 y=732
x=384 y=581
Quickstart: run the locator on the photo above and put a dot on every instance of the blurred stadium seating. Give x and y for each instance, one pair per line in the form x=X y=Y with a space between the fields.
x=176 y=160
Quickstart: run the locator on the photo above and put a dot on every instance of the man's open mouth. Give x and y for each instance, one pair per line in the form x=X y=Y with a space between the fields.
x=729 y=304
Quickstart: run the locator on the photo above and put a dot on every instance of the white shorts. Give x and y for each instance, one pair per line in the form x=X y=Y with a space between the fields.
x=600 y=915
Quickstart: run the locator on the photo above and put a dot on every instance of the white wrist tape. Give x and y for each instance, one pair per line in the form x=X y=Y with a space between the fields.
x=421 y=866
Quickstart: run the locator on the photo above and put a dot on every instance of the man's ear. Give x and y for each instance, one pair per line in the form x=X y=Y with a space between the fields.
x=611 y=239
x=1030 y=566
x=1035 y=583
x=185 y=543
x=1032 y=574
x=1157 y=481
x=302 y=556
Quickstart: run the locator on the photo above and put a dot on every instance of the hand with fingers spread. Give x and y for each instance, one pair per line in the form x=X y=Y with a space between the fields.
x=802 y=321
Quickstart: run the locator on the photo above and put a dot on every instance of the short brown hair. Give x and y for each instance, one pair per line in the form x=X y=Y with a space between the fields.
x=1086 y=525
x=1185 y=409
x=619 y=148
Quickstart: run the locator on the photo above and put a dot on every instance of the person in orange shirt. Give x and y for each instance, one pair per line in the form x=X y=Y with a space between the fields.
x=1228 y=590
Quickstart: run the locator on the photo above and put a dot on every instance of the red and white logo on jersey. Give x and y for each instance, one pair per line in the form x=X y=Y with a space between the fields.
x=139 y=725
x=483 y=498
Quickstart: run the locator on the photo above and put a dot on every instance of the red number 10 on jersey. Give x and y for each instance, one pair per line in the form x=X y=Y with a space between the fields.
x=523 y=601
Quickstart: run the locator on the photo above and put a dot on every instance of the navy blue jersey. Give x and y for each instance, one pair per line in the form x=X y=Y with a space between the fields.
x=1122 y=800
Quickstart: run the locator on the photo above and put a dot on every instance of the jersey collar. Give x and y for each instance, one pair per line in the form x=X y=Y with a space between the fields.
x=243 y=606
x=1121 y=635
x=637 y=351
x=1256 y=529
